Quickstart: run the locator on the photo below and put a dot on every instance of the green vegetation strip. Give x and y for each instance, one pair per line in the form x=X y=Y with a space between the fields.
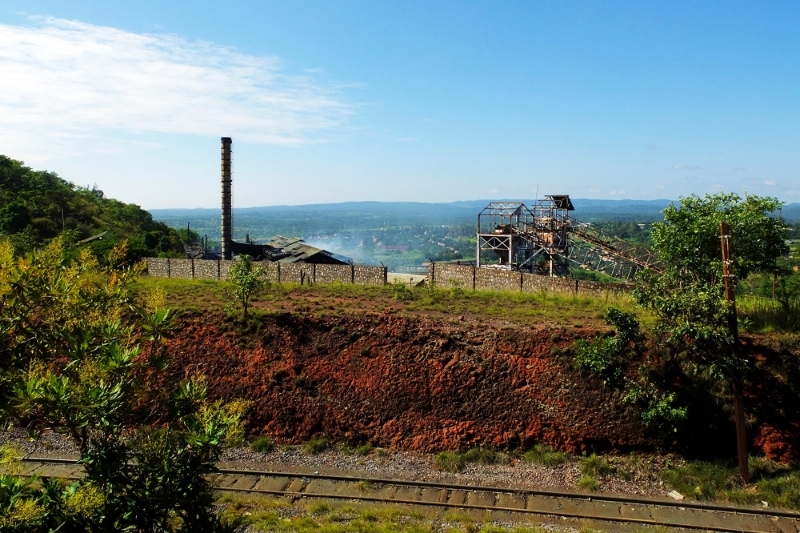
x=281 y=516
x=477 y=488
x=337 y=298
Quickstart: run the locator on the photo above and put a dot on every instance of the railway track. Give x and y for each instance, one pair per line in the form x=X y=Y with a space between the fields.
x=611 y=509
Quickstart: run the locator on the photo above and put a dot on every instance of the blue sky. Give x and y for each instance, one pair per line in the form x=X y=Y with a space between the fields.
x=419 y=101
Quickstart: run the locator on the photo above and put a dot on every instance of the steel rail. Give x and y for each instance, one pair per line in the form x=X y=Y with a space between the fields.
x=647 y=502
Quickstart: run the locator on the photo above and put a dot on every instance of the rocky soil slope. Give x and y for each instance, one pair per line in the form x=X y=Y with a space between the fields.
x=405 y=382
x=425 y=384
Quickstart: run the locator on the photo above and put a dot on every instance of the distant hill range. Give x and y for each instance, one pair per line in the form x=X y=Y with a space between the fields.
x=313 y=218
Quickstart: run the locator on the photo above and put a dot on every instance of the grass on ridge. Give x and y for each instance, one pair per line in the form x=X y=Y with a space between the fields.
x=763 y=315
x=335 y=298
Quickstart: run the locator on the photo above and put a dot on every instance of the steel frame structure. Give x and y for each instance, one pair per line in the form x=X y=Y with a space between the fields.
x=519 y=236
x=545 y=240
x=505 y=228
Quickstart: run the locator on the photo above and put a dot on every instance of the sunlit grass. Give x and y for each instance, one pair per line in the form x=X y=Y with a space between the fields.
x=261 y=514
x=336 y=298
x=778 y=485
x=450 y=461
x=764 y=315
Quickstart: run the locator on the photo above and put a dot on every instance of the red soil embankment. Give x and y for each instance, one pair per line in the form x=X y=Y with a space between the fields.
x=402 y=382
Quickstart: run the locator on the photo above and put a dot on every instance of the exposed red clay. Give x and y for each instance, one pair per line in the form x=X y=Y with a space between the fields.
x=413 y=383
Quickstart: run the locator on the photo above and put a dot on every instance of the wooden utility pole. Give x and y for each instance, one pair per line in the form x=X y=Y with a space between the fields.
x=738 y=400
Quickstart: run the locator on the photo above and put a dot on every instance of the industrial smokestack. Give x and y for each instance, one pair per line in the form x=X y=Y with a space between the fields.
x=227 y=181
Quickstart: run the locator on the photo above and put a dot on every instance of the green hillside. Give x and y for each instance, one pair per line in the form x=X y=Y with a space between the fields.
x=37 y=206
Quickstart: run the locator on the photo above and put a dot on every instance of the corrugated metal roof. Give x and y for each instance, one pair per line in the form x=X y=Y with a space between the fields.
x=295 y=250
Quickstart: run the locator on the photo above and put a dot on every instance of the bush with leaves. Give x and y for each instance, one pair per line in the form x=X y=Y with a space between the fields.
x=606 y=357
x=75 y=348
x=400 y=290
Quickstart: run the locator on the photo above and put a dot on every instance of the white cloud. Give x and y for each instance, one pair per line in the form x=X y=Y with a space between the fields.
x=616 y=193
x=67 y=81
x=659 y=186
x=769 y=182
x=685 y=167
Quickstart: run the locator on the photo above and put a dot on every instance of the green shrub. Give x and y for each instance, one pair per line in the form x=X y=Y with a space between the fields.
x=485 y=456
x=589 y=483
x=449 y=461
x=262 y=445
x=319 y=508
x=456 y=288
x=364 y=449
x=400 y=290
x=600 y=358
x=455 y=461
x=606 y=357
x=542 y=454
x=776 y=484
x=596 y=466
x=316 y=445
x=658 y=409
x=700 y=480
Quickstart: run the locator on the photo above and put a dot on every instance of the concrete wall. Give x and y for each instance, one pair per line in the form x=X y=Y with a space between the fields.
x=271 y=272
x=505 y=280
x=442 y=274
x=537 y=283
x=275 y=272
x=224 y=267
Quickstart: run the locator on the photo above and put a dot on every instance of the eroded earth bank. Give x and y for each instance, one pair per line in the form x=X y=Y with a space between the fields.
x=409 y=383
x=423 y=384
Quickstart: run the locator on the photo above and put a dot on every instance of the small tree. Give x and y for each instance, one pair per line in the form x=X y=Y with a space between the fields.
x=247 y=280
